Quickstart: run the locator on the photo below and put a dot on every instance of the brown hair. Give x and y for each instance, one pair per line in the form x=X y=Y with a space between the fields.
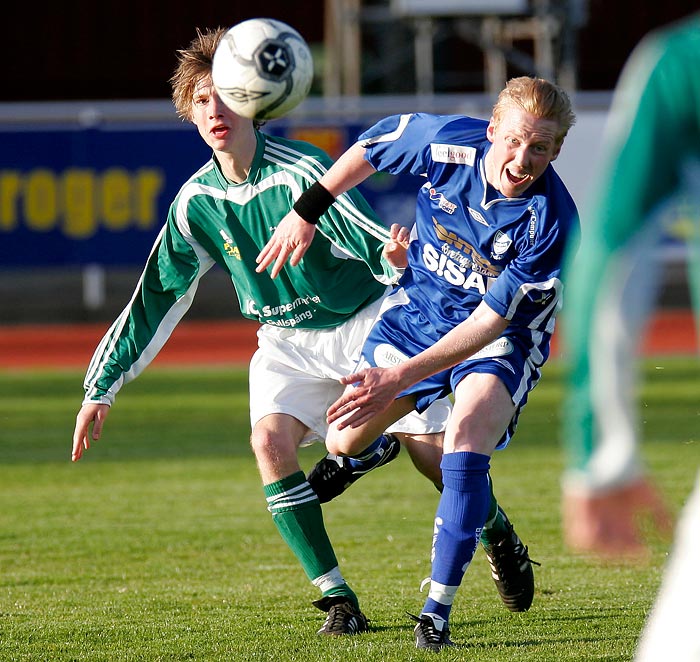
x=194 y=63
x=538 y=97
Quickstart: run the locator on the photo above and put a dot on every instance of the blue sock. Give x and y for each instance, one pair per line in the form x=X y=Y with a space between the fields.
x=371 y=456
x=460 y=516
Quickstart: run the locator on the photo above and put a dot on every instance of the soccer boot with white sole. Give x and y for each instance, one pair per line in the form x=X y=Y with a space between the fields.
x=332 y=475
x=511 y=569
x=343 y=617
x=431 y=632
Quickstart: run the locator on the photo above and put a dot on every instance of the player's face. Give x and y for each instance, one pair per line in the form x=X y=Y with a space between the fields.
x=216 y=122
x=523 y=147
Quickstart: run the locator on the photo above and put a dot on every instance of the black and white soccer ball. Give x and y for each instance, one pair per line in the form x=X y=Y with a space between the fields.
x=262 y=68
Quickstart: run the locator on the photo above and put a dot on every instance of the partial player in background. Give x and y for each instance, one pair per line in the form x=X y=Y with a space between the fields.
x=653 y=152
x=473 y=313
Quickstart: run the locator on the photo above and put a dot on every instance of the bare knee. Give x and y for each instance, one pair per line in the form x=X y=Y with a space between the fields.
x=347 y=442
x=275 y=453
x=340 y=447
x=264 y=443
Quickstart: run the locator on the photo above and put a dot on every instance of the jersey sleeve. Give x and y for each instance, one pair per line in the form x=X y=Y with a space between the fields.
x=529 y=291
x=415 y=143
x=400 y=144
x=162 y=296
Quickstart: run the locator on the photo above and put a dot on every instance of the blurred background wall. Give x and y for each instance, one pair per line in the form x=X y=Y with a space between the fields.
x=91 y=152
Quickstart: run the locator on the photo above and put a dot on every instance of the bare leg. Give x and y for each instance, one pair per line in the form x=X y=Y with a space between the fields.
x=425 y=451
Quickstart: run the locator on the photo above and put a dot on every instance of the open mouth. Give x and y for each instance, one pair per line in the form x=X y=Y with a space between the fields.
x=516 y=179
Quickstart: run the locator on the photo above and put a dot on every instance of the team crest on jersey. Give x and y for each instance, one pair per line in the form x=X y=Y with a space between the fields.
x=442 y=201
x=460 y=154
x=229 y=248
x=501 y=243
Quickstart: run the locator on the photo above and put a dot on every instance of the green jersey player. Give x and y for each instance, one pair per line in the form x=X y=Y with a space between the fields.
x=653 y=152
x=313 y=320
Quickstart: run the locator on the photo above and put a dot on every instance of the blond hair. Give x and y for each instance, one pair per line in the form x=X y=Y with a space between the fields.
x=194 y=64
x=538 y=97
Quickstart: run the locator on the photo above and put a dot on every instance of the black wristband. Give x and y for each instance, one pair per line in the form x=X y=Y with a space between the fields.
x=313 y=203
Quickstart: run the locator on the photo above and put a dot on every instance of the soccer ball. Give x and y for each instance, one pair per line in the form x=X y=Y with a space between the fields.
x=262 y=68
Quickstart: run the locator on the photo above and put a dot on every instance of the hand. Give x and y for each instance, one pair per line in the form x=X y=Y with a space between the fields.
x=291 y=237
x=396 y=249
x=609 y=524
x=375 y=389
x=95 y=414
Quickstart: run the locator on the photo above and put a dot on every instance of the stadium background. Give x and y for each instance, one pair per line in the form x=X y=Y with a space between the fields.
x=125 y=50
x=91 y=152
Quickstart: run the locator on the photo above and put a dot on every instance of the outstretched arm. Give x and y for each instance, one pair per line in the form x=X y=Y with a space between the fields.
x=294 y=235
x=376 y=388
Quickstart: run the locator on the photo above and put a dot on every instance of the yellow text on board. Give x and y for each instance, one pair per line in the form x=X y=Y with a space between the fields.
x=80 y=201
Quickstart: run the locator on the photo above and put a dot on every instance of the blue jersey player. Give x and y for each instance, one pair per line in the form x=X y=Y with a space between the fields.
x=474 y=311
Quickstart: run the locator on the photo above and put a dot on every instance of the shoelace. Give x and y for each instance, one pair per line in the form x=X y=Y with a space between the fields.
x=501 y=557
x=428 y=630
x=336 y=618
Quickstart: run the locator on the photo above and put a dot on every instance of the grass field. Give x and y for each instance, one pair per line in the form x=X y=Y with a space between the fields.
x=158 y=546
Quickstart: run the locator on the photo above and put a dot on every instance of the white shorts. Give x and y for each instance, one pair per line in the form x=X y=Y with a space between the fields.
x=296 y=372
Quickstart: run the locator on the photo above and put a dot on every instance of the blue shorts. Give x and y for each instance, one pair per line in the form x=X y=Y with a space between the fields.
x=402 y=331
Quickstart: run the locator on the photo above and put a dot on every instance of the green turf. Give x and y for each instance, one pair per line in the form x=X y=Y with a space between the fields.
x=157 y=545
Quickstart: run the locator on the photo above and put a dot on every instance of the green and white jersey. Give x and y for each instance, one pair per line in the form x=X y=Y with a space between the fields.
x=212 y=221
x=652 y=154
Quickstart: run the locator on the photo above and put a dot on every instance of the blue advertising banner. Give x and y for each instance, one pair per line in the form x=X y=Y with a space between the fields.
x=99 y=195
x=83 y=185
x=70 y=197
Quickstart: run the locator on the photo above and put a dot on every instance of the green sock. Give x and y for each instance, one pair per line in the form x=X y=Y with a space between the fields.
x=496 y=525
x=345 y=591
x=296 y=512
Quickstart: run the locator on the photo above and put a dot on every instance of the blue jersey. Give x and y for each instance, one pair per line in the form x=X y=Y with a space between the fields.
x=469 y=242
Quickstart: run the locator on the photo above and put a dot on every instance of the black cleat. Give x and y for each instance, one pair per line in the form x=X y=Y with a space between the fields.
x=511 y=569
x=343 y=617
x=332 y=475
x=427 y=634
